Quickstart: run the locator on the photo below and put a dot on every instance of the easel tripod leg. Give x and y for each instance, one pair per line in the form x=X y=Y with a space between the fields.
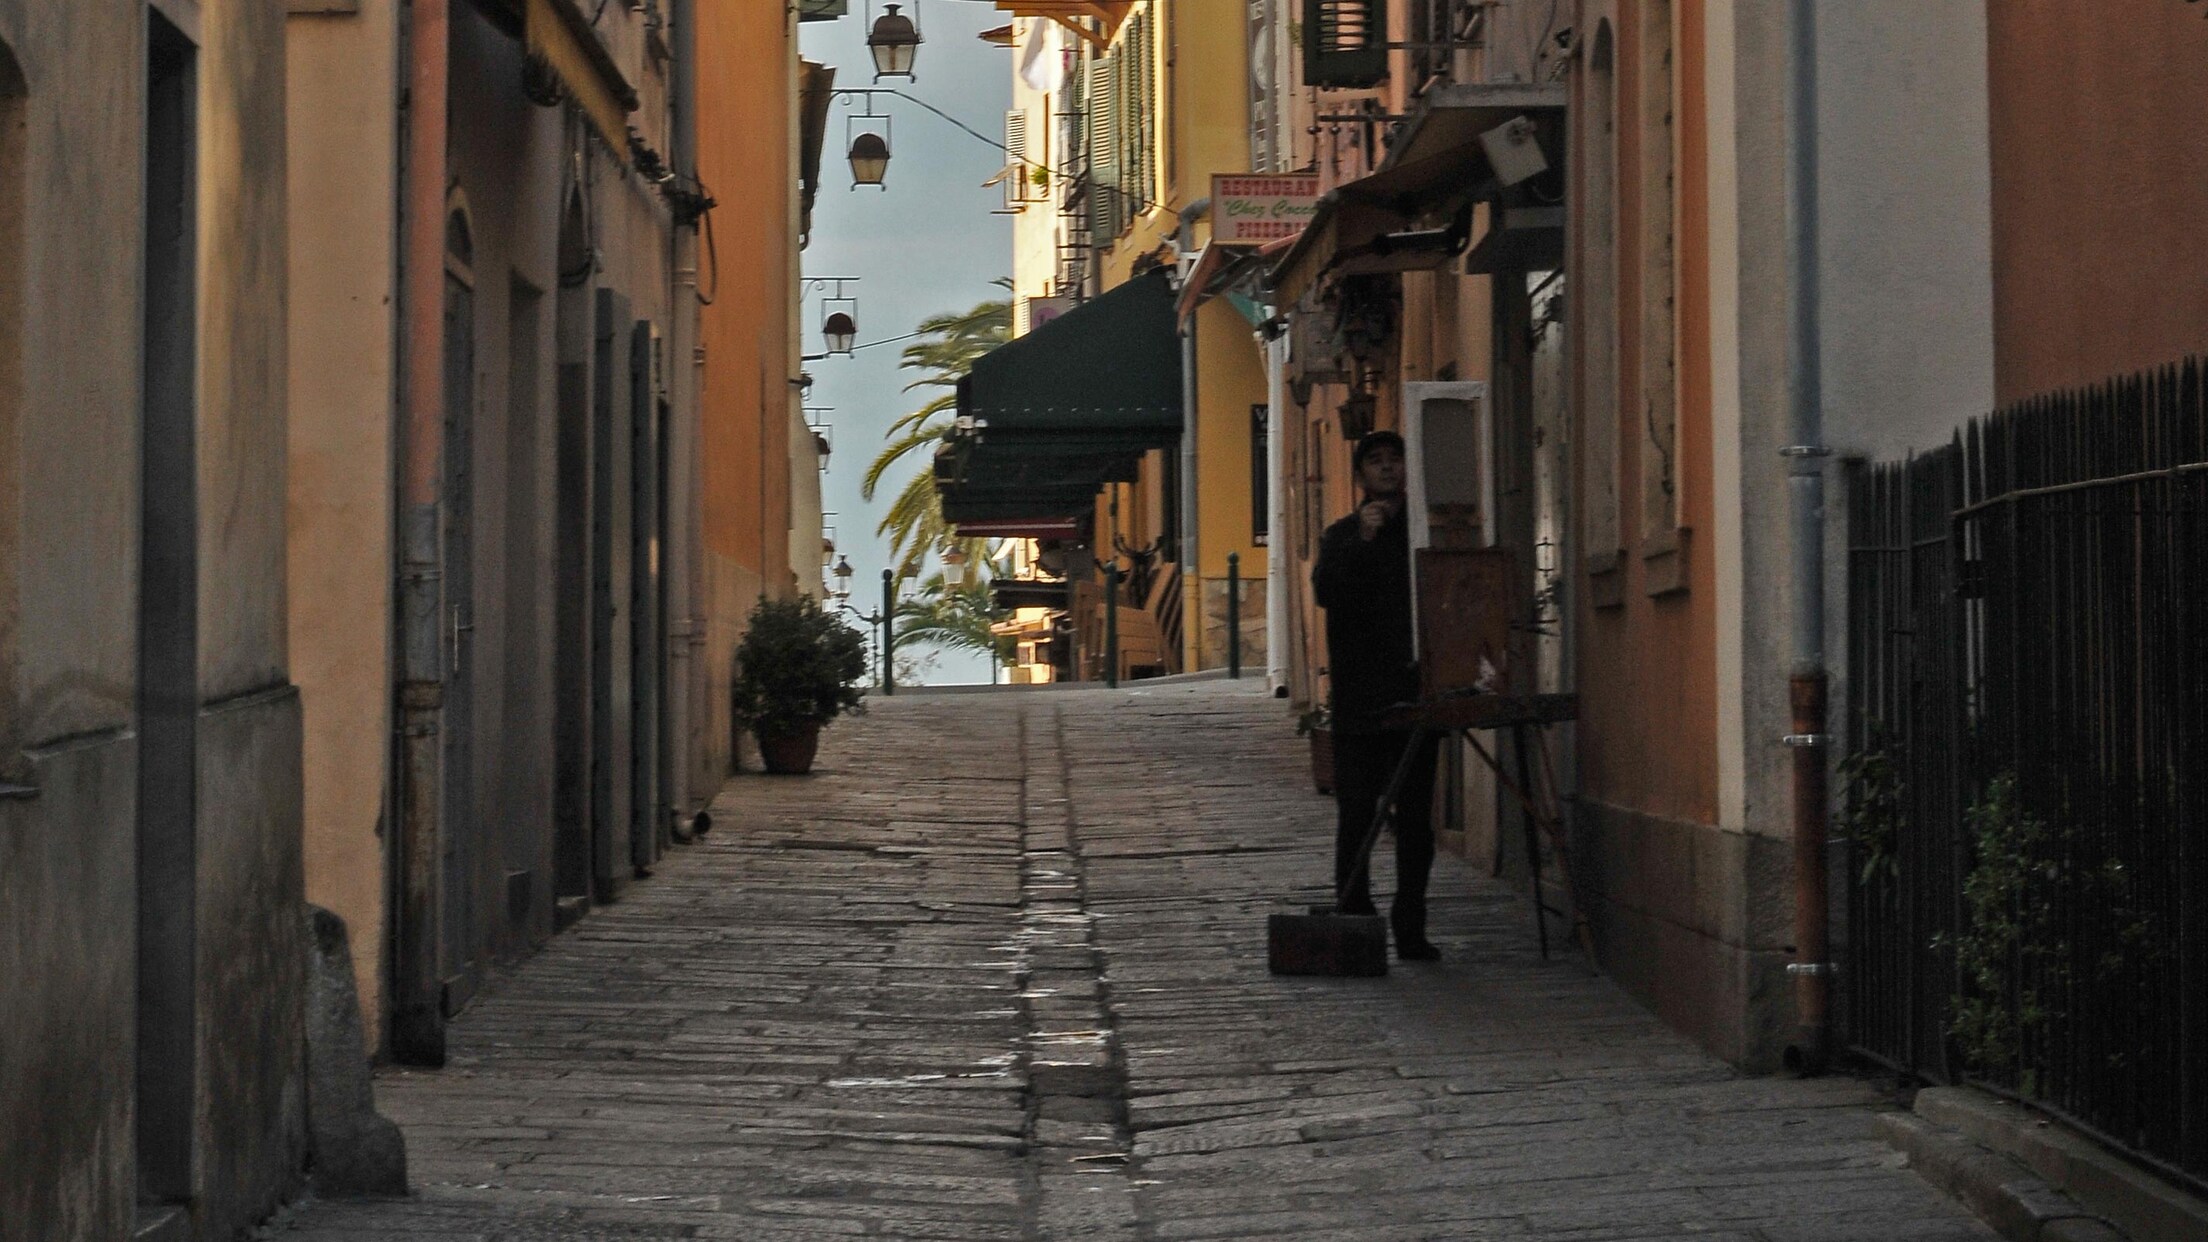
x=1530 y=820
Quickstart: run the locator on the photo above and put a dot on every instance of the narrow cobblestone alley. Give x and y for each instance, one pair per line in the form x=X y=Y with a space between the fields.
x=997 y=971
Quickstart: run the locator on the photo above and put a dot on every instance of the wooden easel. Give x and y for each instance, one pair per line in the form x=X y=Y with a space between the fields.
x=1527 y=717
x=1466 y=598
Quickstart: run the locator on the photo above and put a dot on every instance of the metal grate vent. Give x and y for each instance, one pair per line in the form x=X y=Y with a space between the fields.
x=1345 y=43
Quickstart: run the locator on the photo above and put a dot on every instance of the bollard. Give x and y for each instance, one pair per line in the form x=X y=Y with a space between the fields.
x=1234 y=615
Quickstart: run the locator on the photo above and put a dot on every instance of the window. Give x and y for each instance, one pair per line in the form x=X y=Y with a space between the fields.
x=1016 y=178
x=1104 y=215
x=1122 y=133
x=1142 y=114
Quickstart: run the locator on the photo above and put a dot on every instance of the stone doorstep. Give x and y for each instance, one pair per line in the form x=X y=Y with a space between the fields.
x=2142 y=1205
x=2033 y=1180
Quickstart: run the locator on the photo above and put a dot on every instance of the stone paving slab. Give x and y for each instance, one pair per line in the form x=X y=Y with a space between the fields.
x=997 y=971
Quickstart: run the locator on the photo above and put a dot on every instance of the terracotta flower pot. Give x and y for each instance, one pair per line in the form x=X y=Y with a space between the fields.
x=790 y=754
x=1322 y=760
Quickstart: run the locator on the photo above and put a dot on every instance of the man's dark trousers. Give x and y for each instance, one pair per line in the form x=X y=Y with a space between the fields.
x=1363 y=765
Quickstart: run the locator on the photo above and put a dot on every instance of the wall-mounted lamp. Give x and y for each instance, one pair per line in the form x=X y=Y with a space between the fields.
x=839 y=315
x=869 y=156
x=895 y=44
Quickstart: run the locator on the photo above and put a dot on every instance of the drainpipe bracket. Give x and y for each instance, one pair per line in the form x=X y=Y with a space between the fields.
x=1806 y=739
x=1813 y=968
x=1806 y=450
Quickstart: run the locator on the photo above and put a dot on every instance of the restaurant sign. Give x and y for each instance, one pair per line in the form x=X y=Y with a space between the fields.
x=1261 y=207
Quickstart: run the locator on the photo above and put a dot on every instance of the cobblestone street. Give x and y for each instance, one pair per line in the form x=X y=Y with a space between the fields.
x=997 y=971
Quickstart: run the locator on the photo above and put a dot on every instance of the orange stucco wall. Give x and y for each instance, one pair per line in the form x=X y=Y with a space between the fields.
x=745 y=133
x=1648 y=669
x=2100 y=183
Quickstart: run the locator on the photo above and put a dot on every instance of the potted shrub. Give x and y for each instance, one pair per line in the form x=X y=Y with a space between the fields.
x=796 y=669
x=1318 y=725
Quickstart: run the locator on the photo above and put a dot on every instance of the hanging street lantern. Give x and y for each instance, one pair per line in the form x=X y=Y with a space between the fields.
x=895 y=43
x=842 y=573
x=869 y=159
x=954 y=567
x=841 y=331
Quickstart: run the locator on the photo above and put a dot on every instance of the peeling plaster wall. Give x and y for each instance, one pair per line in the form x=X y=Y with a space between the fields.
x=69 y=473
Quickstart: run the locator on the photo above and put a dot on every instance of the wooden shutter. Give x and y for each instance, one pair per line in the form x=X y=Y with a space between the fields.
x=1146 y=117
x=1104 y=169
x=1016 y=157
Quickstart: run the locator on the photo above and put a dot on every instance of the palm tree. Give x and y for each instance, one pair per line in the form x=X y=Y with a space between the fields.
x=949 y=349
x=957 y=617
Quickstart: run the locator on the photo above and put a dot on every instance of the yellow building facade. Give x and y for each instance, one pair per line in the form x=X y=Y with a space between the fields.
x=1120 y=119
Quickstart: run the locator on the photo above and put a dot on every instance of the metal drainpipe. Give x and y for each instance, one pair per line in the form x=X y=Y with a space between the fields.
x=1192 y=618
x=687 y=677
x=418 y=1023
x=1812 y=967
x=1276 y=573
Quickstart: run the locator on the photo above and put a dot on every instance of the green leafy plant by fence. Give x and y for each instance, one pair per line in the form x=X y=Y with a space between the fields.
x=2009 y=953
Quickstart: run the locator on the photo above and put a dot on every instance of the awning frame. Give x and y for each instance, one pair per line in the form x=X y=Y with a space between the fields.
x=1435 y=169
x=1108 y=14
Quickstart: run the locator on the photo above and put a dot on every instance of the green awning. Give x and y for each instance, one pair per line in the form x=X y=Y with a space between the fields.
x=1047 y=419
x=1111 y=363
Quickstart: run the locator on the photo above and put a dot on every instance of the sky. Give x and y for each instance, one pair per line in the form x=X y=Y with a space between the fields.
x=924 y=244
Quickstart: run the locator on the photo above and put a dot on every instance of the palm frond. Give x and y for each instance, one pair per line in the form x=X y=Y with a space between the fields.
x=952 y=342
x=898 y=448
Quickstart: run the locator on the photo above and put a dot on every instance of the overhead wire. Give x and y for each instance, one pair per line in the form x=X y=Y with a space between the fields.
x=1145 y=203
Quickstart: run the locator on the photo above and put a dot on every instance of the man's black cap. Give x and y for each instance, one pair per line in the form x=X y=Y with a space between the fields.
x=1370 y=441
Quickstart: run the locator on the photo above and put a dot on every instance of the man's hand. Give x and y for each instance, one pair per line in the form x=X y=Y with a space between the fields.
x=1371 y=516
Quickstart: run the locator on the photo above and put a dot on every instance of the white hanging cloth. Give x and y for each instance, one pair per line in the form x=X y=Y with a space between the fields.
x=1043 y=59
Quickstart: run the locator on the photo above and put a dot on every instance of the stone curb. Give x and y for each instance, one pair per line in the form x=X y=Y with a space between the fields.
x=2140 y=1204
x=2003 y=1193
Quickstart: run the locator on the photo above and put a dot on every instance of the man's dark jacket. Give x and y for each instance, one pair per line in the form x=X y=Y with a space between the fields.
x=1365 y=587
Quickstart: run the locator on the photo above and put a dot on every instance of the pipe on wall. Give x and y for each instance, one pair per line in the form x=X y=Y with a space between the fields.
x=688 y=741
x=418 y=1024
x=1805 y=453
x=1192 y=572
x=1276 y=519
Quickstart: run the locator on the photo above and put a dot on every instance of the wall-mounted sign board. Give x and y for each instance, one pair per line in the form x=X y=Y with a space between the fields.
x=1261 y=207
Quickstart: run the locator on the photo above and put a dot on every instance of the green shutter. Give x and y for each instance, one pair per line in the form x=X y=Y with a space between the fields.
x=1104 y=148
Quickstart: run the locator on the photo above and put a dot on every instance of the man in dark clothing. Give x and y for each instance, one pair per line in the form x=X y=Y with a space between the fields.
x=1363 y=581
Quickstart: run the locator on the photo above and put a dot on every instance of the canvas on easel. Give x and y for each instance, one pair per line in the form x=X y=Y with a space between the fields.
x=1464 y=611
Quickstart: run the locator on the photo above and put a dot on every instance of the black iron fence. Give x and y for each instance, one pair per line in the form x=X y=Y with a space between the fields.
x=2027 y=779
